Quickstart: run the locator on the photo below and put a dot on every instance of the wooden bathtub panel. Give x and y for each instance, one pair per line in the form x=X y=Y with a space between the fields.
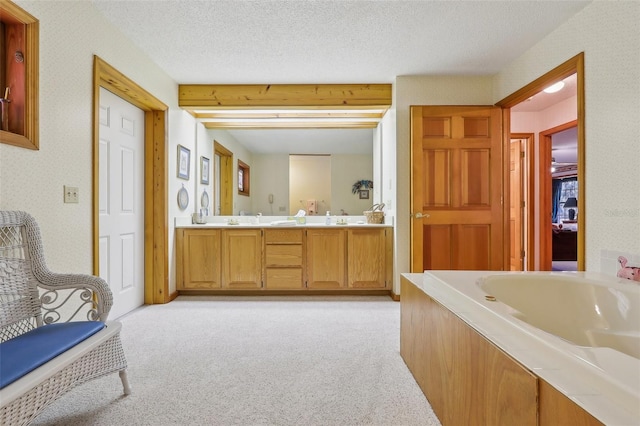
x=466 y=378
x=557 y=409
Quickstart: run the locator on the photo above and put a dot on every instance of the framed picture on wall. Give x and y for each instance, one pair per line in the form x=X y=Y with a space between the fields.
x=204 y=170
x=184 y=161
x=364 y=194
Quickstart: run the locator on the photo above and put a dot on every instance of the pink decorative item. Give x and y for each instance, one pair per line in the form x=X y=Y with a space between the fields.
x=628 y=272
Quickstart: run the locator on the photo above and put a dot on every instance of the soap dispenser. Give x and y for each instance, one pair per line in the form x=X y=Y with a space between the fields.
x=327 y=219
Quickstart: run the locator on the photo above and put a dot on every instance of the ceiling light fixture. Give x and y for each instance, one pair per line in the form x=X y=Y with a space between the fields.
x=556 y=87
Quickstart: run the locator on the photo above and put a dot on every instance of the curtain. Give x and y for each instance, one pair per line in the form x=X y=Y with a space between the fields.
x=556 y=191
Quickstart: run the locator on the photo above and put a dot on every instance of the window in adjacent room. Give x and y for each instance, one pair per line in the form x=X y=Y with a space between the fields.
x=243 y=178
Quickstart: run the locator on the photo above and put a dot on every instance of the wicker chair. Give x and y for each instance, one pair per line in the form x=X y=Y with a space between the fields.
x=31 y=296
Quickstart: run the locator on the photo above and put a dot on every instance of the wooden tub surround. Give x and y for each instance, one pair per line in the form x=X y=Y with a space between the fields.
x=476 y=371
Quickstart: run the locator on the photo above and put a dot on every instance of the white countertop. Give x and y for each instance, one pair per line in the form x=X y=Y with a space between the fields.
x=565 y=366
x=276 y=222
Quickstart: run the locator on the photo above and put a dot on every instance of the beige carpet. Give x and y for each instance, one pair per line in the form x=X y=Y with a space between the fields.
x=256 y=361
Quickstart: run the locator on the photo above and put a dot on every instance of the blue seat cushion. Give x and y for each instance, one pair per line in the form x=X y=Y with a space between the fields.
x=25 y=353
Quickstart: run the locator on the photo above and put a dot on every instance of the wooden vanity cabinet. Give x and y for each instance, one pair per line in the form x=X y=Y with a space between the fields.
x=241 y=258
x=326 y=258
x=366 y=258
x=283 y=259
x=199 y=266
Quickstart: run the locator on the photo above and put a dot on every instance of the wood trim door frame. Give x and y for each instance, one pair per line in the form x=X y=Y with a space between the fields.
x=574 y=65
x=527 y=188
x=156 y=235
x=226 y=178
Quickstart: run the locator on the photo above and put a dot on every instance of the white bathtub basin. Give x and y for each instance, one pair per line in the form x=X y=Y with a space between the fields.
x=583 y=311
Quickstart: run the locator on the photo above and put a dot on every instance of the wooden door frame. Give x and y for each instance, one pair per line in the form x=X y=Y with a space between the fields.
x=226 y=178
x=522 y=165
x=156 y=236
x=530 y=199
x=574 y=65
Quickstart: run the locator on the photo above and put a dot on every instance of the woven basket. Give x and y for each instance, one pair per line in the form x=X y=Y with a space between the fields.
x=375 y=214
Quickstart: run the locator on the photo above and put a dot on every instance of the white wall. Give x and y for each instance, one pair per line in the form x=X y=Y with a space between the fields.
x=423 y=90
x=608 y=34
x=70 y=34
x=204 y=148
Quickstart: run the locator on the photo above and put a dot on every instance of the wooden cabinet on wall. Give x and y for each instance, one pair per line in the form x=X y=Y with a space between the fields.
x=242 y=258
x=283 y=259
x=366 y=259
x=19 y=44
x=198 y=259
x=326 y=258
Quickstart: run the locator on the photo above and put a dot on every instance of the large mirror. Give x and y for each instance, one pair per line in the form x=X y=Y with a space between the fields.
x=314 y=170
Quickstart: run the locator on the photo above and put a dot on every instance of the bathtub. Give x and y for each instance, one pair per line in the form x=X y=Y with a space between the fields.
x=583 y=311
x=577 y=331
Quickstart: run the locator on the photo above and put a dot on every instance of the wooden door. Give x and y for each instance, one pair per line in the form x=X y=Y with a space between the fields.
x=326 y=258
x=457 y=188
x=516 y=205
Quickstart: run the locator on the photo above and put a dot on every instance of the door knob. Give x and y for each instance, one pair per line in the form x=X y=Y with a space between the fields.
x=419 y=215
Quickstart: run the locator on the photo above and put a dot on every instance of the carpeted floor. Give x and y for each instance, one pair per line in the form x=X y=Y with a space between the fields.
x=256 y=361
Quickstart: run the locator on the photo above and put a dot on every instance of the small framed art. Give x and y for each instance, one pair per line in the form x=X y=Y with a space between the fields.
x=184 y=162
x=204 y=170
x=364 y=194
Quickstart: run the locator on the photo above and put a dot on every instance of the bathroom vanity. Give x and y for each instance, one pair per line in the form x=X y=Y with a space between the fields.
x=218 y=257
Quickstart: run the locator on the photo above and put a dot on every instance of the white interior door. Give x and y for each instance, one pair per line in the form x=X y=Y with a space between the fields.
x=121 y=201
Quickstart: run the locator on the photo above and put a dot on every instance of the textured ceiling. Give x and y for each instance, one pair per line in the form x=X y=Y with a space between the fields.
x=332 y=41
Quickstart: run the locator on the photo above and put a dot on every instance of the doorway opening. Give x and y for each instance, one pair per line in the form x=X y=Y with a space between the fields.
x=538 y=199
x=156 y=238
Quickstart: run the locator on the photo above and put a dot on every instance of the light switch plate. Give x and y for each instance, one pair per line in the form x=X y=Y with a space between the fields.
x=71 y=194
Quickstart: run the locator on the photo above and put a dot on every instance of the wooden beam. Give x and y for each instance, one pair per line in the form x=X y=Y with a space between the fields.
x=302 y=124
x=247 y=96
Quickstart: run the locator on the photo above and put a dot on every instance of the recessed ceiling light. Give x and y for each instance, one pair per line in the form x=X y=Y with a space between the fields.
x=554 y=87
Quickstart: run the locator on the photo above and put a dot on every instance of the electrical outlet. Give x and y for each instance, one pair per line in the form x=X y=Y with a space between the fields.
x=71 y=194
x=282 y=208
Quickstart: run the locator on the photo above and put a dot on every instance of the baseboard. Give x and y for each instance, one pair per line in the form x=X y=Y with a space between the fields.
x=307 y=292
x=394 y=297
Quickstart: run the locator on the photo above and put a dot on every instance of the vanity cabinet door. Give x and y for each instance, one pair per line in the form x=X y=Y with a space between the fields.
x=326 y=258
x=366 y=258
x=200 y=259
x=242 y=259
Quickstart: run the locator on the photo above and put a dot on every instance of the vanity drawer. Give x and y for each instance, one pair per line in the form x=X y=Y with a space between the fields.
x=284 y=278
x=291 y=236
x=283 y=255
